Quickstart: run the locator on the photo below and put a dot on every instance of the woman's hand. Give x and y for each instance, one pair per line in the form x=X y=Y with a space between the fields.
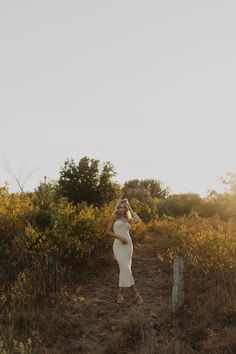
x=134 y=216
x=127 y=204
x=123 y=240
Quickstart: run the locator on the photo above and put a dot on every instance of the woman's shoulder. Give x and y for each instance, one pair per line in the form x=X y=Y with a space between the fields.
x=113 y=217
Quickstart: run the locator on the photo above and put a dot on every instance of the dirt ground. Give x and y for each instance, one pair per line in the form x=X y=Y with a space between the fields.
x=101 y=318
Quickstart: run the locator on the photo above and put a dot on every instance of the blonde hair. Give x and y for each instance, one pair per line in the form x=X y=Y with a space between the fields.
x=122 y=201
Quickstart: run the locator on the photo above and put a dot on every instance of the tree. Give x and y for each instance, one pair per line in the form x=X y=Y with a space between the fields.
x=20 y=180
x=180 y=204
x=231 y=182
x=107 y=189
x=217 y=204
x=222 y=204
x=88 y=181
x=145 y=195
x=44 y=197
x=141 y=189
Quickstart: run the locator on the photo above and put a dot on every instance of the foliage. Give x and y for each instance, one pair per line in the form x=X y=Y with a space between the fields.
x=17 y=347
x=209 y=249
x=33 y=224
x=180 y=204
x=141 y=189
x=79 y=231
x=17 y=212
x=74 y=232
x=221 y=204
x=88 y=182
x=208 y=245
x=144 y=195
x=44 y=197
x=230 y=181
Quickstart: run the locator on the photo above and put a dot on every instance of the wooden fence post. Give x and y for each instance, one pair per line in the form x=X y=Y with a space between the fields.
x=51 y=271
x=178 y=283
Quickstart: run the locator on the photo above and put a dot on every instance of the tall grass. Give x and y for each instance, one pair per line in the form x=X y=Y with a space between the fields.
x=31 y=318
x=208 y=322
x=209 y=247
x=76 y=234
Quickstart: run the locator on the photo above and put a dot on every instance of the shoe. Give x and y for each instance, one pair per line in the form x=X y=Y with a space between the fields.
x=139 y=300
x=120 y=299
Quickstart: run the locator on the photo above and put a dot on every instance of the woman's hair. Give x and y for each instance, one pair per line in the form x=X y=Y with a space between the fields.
x=116 y=211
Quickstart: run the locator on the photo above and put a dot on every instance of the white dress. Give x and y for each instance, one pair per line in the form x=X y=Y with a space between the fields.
x=123 y=253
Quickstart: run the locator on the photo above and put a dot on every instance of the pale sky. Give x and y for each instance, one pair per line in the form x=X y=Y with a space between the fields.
x=148 y=85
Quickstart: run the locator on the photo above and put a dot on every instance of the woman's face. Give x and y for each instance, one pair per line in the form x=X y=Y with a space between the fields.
x=122 y=209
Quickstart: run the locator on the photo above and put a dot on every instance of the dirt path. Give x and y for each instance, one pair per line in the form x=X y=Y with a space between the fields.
x=102 y=319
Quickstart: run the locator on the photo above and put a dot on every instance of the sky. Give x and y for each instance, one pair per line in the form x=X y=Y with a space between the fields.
x=148 y=85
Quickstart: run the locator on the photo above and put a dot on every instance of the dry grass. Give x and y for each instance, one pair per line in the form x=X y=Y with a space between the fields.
x=209 y=316
x=84 y=318
x=139 y=336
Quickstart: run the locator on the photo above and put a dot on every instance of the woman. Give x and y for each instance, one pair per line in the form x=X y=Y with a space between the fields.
x=118 y=227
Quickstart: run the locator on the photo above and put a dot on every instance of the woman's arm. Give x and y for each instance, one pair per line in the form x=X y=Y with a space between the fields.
x=134 y=216
x=109 y=231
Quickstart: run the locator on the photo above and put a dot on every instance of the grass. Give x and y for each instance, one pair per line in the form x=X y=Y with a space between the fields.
x=34 y=323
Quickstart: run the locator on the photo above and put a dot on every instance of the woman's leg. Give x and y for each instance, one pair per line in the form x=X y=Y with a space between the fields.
x=137 y=295
x=120 y=295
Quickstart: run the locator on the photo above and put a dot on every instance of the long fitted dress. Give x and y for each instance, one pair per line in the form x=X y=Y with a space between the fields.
x=123 y=253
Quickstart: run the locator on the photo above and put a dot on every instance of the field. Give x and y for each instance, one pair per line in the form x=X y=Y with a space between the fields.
x=82 y=315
